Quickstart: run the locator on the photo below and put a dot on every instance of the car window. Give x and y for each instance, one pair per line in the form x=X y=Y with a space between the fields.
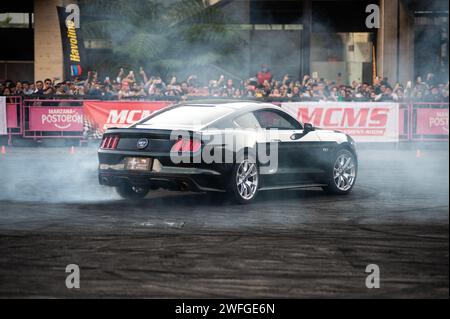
x=246 y=121
x=269 y=119
x=186 y=115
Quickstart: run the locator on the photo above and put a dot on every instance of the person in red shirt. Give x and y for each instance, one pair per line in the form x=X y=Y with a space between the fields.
x=264 y=75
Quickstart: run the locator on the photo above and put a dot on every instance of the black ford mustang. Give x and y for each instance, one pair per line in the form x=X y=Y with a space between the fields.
x=222 y=146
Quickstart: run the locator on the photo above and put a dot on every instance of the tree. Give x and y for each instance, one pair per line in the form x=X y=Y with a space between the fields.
x=165 y=36
x=6 y=22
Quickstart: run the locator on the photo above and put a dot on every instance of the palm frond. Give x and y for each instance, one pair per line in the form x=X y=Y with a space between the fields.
x=204 y=59
x=163 y=35
x=108 y=29
x=142 y=46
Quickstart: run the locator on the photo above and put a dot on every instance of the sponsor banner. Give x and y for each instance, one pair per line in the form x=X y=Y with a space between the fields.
x=73 y=46
x=365 y=122
x=432 y=121
x=56 y=119
x=3 y=119
x=103 y=115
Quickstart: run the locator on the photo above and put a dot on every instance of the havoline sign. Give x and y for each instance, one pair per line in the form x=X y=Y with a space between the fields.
x=73 y=46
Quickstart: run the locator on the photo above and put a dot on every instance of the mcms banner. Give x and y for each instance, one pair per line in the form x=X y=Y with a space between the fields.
x=100 y=115
x=364 y=122
x=73 y=46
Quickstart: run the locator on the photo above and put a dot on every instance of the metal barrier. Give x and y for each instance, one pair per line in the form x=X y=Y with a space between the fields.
x=53 y=119
x=404 y=121
x=14 y=117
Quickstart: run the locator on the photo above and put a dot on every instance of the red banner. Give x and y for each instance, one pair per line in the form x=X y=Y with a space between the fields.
x=365 y=122
x=432 y=121
x=102 y=115
x=11 y=113
x=56 y=119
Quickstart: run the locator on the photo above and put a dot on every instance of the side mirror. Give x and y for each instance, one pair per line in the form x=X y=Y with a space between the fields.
x=308 y=127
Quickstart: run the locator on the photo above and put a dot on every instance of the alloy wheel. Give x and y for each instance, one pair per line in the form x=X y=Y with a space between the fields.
x=344 y=172
x=247 y=179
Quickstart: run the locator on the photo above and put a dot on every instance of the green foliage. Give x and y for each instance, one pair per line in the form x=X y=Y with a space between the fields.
x=164 y=36
x=5 y=23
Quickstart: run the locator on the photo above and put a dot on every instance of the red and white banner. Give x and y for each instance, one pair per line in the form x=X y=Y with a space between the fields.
x=56 y=119
x=3 y=120
x=103 y=115
x=365 y=122
x=432 y=121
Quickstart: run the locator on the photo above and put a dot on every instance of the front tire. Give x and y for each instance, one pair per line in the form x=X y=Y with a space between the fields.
x=127 y=191
x=342 y=173
x=244 y=181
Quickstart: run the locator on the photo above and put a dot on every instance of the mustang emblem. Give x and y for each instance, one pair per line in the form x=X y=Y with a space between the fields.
x=142 y=143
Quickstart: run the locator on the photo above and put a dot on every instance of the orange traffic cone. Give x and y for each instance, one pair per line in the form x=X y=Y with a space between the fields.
x=418 y=154
x=3 y=150
x=72 y=150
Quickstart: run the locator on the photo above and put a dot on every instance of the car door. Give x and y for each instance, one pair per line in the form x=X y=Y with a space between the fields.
x=287 y=133
x=300 y=151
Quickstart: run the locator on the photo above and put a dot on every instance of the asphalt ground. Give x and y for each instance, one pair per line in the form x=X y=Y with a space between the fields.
x=288 y=244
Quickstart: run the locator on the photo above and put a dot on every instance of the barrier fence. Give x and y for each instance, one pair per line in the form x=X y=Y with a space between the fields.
x=53 y=119
x=403 y=121
x=87 y=119
x=14 y=117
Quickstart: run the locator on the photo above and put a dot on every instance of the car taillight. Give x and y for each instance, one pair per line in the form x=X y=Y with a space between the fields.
x=186 y=146
x=110 y=142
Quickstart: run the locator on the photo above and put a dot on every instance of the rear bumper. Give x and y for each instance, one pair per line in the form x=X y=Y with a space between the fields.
x=175 y=178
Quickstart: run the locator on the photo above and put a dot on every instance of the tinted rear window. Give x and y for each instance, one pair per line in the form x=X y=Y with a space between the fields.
x=188 y=115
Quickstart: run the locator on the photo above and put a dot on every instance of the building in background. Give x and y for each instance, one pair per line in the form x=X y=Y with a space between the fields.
x=330 y=37
x=325 y=38
x=16 y=40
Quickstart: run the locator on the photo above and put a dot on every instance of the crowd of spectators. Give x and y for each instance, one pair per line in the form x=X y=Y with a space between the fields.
x=263 y=86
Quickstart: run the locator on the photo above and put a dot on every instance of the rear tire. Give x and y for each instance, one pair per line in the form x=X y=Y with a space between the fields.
x=244 y=181
x=342 y=173
x=128 y=191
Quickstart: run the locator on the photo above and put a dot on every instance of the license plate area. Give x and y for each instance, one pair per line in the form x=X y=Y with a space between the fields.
x=138 y=163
